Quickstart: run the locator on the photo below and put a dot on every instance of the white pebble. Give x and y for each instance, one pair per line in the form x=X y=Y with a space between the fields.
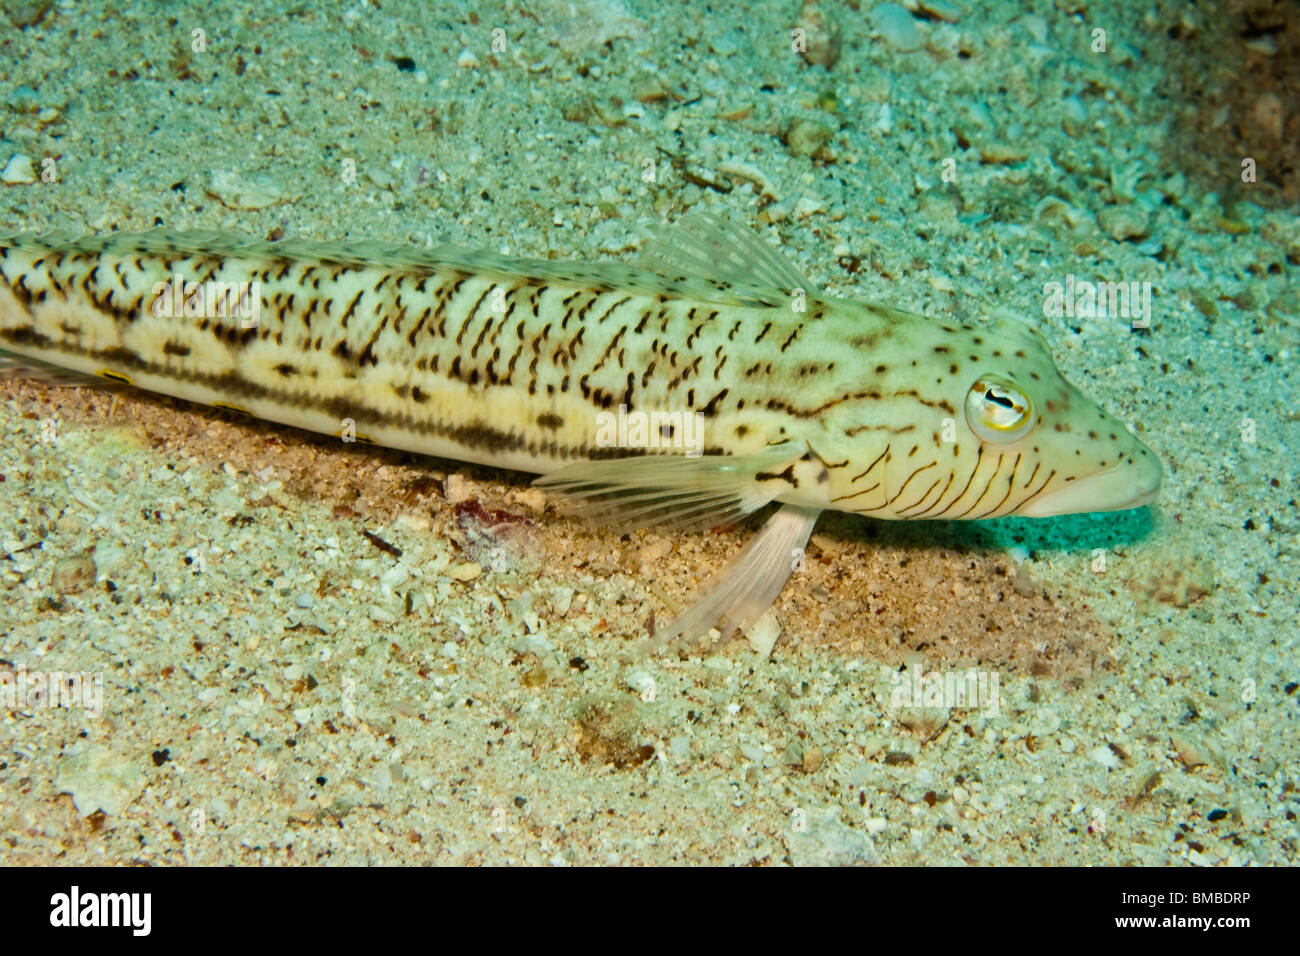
x=457 y=488
x=562 y=599
x=1104 y=756
x=642 y=683
x=1036 y=27
x=762 y=636
x=394 y=576
x=244 y=191
x=18 y=171
x=897 y=27
x=465 y=571
x=885 y=121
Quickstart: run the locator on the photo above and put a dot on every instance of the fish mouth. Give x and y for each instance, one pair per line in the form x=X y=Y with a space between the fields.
x=1115 y=489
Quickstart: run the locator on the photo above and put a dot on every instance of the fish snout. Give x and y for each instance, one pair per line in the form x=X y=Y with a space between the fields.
x=1132 y=483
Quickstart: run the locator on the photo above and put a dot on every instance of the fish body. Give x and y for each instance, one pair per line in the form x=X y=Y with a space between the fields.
x=685 y=391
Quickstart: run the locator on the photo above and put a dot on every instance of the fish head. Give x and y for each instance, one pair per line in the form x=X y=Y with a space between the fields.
x=1087 y=459
x=977 y=422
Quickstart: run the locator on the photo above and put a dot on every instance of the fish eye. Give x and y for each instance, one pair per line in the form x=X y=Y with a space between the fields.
x=998 y=411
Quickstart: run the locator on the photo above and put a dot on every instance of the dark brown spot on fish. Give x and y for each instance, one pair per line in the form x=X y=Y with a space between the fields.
x=711 y=409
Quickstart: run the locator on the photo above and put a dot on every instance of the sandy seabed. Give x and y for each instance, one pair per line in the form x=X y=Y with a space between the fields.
x=317 y=652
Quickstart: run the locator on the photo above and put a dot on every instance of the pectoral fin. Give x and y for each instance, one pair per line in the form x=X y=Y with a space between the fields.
x=13 y=366
x=672 y=492
x=746 y=588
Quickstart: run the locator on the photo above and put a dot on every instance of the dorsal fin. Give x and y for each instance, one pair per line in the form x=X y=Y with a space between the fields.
x=724 y=256
x=747 y=272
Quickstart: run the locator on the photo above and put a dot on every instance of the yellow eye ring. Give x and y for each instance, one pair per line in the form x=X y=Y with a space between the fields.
x=998 y=411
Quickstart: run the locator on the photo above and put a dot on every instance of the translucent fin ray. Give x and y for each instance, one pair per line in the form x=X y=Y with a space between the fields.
x=749 y=585
x=670 y=492
x=724 y=256
x=14 y=366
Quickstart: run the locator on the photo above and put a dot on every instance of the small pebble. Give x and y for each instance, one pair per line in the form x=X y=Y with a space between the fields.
x=941 y=10
x=649 y=88
x=465 y=571
x=23 y=100
x=562 y=599
x=1189 y=750
x=1124 y=222
x=244 y=191
x=98 y=779
x=642 y=684
x=813 y=758
x=1268 y=115
x=805 y=137
x=649 y=556
x=821 y=35
x=27 y=13
x=457 y=488
x=1104 y=756
x=1074 y=114
x=533 y=498
x=1002 y=154
x=762 y=635
x=1035 y=26
x=897 y=27
x=73 y=573
x=18 y=171
x=725 y=44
